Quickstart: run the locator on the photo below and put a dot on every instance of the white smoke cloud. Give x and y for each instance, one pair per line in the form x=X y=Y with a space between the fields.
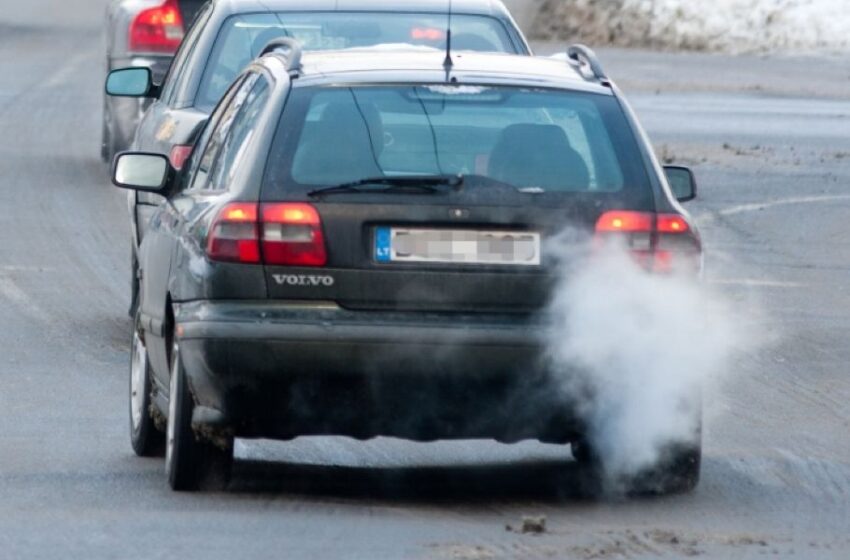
x=645 y=346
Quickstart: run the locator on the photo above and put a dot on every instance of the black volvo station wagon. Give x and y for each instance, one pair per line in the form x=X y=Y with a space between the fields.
x=355 y=247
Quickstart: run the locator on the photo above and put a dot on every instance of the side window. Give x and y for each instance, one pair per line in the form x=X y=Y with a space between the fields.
x=175 y=72
x=193 y=168
x=239 y=136
x=232 y=135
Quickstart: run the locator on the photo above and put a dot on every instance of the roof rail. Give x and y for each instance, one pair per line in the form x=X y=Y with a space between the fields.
x=288 y=47
x=584 y=56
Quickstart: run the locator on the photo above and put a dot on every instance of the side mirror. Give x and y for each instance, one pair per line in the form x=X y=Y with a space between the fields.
x=682 y=182
x=141 y=172
x=131 y=82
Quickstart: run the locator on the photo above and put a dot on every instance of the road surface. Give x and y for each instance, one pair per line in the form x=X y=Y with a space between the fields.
x=770 y=142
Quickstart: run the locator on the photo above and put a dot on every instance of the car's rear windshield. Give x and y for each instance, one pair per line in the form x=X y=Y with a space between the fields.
x=536 y=141
x=241 y=38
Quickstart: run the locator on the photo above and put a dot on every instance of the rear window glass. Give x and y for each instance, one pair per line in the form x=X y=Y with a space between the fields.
x=536 y=141
x=242 y=37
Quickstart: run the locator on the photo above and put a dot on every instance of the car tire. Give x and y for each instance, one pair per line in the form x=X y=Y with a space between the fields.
x=583 y=452
x=135 y=285
x=677 y=471
x=147 y=440
x=190 y=463
x=107 y=143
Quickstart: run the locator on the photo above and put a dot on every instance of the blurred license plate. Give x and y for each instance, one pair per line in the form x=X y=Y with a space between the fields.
x=457 y=246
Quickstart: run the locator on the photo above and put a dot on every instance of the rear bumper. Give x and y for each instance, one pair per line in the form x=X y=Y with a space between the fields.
x=284 y=370
x=329 y=324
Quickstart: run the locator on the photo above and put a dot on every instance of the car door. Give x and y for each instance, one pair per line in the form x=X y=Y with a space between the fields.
x=159 y=122
x=221 y=149
x=205 y=180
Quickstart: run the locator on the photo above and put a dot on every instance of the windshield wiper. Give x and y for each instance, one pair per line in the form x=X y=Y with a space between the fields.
x=405 y=184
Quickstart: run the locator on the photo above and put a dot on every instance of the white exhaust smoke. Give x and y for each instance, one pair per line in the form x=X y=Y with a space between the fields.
x=642 y=347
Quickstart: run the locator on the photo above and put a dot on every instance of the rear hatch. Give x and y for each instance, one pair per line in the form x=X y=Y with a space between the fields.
x=533 y=164
x=474 y=255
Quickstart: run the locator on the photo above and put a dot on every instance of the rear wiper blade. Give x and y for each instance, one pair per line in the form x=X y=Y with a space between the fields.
x=405 y=184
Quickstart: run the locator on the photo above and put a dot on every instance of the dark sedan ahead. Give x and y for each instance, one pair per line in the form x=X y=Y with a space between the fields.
x=228 y=34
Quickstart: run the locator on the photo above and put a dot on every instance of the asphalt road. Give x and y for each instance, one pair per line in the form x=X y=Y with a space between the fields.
x=773 y=158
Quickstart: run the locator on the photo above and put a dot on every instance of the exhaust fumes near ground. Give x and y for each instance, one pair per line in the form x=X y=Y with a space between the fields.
x=642 y=348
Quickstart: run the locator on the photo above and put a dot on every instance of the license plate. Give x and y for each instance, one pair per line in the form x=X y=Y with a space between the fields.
x=457 y=246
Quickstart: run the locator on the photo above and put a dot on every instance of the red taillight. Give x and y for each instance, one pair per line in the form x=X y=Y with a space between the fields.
x=287 y=234
x=625 y=221
x=292 y=235
x=234 y=235
x=179 y=154
x=659 y=242
x=158 y=29
x=672 y=223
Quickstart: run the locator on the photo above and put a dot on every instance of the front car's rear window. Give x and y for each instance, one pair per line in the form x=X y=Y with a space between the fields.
x=537 y=141
x=241 y=38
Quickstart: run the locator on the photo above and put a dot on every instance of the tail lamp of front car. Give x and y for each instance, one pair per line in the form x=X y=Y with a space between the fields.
x=179 y=154
x=663 y=243
x=158 y=29
x=288 y=234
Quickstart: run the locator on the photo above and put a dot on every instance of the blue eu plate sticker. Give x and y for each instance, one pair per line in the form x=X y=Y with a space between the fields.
x=383 y=244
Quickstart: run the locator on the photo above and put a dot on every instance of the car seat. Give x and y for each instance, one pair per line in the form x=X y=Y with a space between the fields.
x=538 y=155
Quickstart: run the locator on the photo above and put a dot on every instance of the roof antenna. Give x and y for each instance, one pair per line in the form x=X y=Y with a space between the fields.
x=448 y=63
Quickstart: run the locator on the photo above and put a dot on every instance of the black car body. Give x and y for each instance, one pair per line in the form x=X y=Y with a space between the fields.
x=271 y=290
x=139 y=33
x=193 y=86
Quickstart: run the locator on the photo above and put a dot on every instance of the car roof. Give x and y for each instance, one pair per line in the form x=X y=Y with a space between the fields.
x=395 y=64
x=483 y=7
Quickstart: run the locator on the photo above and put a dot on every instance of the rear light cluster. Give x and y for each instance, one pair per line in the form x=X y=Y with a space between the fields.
x=273 y=233
x=179 y=154
x=658 y=242
x=158 y=29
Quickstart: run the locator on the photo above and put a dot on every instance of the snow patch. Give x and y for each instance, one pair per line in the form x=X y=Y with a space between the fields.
x=721 y=25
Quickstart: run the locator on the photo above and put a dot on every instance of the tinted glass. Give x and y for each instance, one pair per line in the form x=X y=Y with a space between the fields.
x=230 y=135
x=242 y=37
x=175 y=72
x=536 y=141
x=203 y=155
x=236 y=133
